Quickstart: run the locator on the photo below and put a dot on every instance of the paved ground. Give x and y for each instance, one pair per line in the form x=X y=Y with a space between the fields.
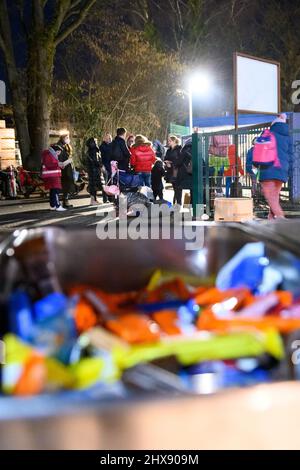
x=34 y=212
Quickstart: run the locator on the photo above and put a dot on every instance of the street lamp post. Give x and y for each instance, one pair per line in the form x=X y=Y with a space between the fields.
x=191 y=109
x=198 y=83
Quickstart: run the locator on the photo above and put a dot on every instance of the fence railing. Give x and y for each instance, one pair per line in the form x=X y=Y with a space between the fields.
x=218 y=169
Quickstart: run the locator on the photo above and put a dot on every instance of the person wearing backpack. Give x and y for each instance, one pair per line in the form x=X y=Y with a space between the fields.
x=251 y=171
x=272 y=176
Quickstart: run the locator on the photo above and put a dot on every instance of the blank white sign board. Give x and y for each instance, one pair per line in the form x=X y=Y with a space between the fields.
x=257 y=85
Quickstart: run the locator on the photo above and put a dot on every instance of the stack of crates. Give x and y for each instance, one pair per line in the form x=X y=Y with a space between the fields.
x=7 y=147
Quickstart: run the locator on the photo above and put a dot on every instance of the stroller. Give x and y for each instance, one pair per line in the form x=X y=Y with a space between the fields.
x=29 y=183
x=126 y=185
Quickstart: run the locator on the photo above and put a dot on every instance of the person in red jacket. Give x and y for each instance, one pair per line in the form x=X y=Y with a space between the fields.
x=230 y=172
x=142 y=159
x=51 y=175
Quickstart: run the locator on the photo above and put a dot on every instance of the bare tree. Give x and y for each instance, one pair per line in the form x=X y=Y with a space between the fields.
x=133 y=87
x=44 y=25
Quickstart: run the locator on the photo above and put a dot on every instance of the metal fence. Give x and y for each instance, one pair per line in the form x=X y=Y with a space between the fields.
x=217 y=169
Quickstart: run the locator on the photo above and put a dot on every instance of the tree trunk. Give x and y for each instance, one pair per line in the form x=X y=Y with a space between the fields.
x=42 y=36
x=15 y=82
x=20 y=116
x=40 y=75
x=39 y=108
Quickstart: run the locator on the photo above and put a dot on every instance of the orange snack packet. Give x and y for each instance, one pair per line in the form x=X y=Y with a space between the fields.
x=166 y=320
x=33 y=378
x=134 y=329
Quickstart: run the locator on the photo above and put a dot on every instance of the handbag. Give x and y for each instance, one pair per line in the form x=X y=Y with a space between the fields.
x=112 y=189
x=189 y=168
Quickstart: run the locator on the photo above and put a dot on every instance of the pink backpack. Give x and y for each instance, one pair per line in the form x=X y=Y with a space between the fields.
x=265 y=150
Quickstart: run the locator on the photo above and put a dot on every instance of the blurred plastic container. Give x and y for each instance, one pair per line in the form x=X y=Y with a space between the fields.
x=55 y=260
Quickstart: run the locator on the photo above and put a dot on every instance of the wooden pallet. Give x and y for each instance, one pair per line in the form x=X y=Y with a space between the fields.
x=233 y=209
x=7 y=146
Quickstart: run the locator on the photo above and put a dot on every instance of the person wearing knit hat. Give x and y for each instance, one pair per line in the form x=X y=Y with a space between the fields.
x=142 y=158
x=280 y=118
x=272 y=177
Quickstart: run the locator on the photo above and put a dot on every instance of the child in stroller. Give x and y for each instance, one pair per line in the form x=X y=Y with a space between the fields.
x=129 y=187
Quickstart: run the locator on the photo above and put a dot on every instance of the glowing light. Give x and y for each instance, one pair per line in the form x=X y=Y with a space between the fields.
x=199 y=83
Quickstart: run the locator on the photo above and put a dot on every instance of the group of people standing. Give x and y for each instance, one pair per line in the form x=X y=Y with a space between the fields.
x=130 y=152
x=58 y=170
x=134 y=154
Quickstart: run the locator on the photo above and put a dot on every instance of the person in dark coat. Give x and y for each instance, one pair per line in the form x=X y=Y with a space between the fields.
x=159 y=149
x=119 y=150
x=251 y=171
x=157 y=174
x=93 y=164
x=4 y=184
x=67 y=176
x=171 y=158
x=272 y=177
x=184 y=178
x=105 y=150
